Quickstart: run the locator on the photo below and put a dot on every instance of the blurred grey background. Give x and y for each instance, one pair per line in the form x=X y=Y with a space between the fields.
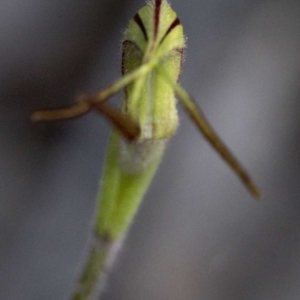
x=198 y=234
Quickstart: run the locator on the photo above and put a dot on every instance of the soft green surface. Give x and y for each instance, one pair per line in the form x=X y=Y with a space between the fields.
x=124 y=184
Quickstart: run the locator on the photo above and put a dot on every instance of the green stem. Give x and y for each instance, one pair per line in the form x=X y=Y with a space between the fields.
x=123 y=186
x=92 y=280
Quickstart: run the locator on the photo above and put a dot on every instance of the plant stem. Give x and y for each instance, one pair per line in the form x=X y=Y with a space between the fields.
x=122 y=188
x=100 y=257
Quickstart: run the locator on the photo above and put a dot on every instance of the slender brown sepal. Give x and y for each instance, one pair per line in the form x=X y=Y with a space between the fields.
x=123 y=123
x=64 y=113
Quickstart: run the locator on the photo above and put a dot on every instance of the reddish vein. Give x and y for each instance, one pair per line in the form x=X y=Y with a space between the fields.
x=140 y=23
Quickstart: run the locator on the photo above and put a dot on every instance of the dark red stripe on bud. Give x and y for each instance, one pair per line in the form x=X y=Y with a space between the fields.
x=172 y=26
x=140 y=23
x=156 y=16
